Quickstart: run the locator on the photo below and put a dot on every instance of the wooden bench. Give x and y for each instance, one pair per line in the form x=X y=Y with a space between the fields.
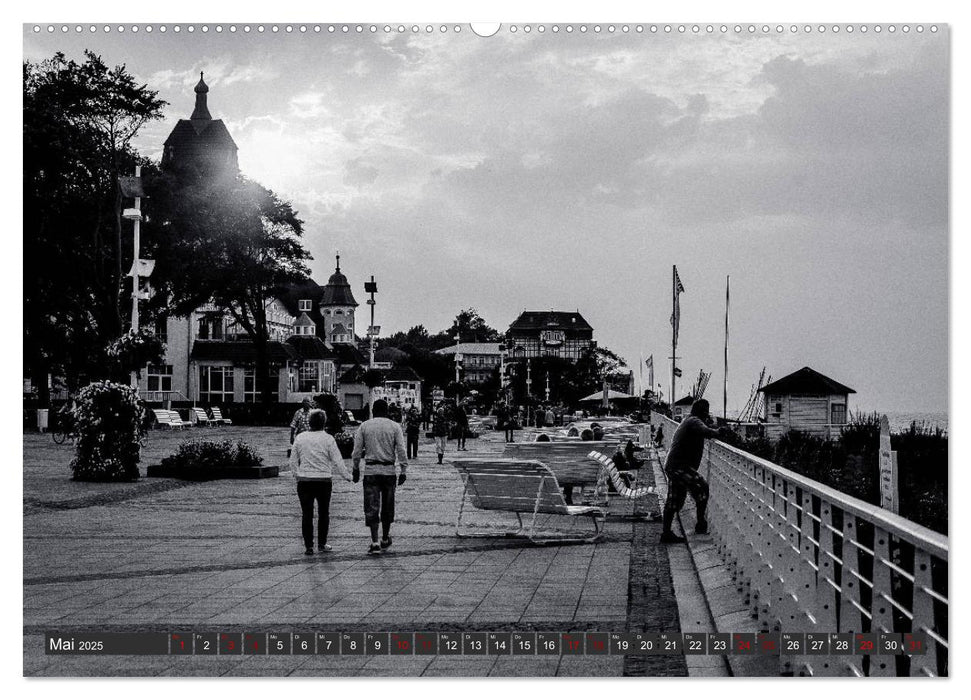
x=169 y=419
x=521 y=486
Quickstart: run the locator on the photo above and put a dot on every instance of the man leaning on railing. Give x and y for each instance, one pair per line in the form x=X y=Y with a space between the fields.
x=681 y=467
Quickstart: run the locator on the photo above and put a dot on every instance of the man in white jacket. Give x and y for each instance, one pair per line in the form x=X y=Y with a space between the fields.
x=313 y=460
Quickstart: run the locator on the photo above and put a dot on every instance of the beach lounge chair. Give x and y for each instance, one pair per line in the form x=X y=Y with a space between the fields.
x=216 y=416
x=198 y=416
x=521 y=486
x=609 y=473
x=169 y=419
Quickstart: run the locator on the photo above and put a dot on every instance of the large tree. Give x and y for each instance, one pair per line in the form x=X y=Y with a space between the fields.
x=79 y=121
x=229 y=241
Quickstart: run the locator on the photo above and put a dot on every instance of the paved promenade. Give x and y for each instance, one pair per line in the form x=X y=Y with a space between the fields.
x=166 y=555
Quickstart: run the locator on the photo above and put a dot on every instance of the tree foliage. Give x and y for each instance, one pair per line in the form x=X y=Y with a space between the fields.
x=79 y=120
x=226 y=241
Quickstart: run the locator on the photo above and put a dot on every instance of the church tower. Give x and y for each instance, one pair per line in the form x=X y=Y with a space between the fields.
x=201 y=143
x=337 y=308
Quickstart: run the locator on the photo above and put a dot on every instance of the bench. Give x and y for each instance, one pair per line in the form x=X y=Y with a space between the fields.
x=569 y=460
x=199 y=416
x=169 y=419
x=216 y=415
x=521 y=486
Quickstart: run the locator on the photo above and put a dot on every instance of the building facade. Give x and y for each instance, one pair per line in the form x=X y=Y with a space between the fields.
x=806 y=401
x=478 y=360
x=563 y=334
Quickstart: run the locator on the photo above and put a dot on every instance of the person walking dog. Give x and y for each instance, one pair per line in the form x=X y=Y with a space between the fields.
x=380 y=443
x=314 y=458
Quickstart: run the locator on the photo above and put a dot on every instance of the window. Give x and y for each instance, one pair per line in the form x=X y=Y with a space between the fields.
x=838 y=414
x=162 y=330
x=305 y=305
x=339 y=312
x=215 y=384
x=308 y=378
x=251 y=387
x=159 y=377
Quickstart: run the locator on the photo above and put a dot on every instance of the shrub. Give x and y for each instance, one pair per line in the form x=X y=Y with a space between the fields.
x=204 y=455
x=108 y=420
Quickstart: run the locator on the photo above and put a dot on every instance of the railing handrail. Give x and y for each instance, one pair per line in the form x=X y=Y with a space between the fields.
x=933 y=542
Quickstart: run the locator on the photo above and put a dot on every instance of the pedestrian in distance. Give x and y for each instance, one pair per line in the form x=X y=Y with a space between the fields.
x=461 y=419
x=314 y=458
x=300 y=422
x=412 y=431
x=681 y=468
x=440 y=432
x=381 y=444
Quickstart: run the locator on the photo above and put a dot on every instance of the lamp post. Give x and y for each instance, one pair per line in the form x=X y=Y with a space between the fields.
x=458 y=366
x=371 y=288
x=132 y=187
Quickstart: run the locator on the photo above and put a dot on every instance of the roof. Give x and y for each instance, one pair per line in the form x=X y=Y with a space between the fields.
x=310 y=347
x=239 y=352
x=304 y=320
x=542 y=320
x=337 y=291
x=806 y=381
x=195 y=133
x=685 y=401
x=347 y=354
x=291 y=295
x=471 y=349
x=401 y=374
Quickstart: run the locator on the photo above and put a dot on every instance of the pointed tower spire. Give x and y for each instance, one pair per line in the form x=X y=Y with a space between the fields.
x=202 y=110
x=338 y=261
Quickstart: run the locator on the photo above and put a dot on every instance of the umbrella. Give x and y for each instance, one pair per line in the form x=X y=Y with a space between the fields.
x=611 y=395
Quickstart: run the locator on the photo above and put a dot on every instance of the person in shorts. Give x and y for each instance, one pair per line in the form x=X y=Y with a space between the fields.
x=380 y=443
x=681 y=468
x=440 y=432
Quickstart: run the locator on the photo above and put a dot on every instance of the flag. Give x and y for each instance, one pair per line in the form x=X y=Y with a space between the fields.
x=650 y=372
x=677 y=371
x=676 y=314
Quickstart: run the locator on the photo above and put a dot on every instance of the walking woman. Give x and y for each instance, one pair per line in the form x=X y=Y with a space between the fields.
x=313 y=460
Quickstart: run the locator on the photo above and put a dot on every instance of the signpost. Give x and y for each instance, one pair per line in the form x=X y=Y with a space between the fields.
x=889 y=486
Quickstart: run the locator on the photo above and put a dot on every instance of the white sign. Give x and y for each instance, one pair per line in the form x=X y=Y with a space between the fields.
x=889 y=486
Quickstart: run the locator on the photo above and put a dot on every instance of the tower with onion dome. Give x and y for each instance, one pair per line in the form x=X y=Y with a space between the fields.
x=200 y=143
x=337 y=309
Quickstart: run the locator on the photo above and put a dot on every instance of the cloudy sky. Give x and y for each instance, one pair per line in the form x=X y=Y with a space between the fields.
x=571 y=171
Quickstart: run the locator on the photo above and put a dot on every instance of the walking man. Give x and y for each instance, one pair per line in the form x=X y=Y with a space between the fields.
x=380 y=442
x=440 y=432
x=313 y=460
x=681 y=467
x=301 y=418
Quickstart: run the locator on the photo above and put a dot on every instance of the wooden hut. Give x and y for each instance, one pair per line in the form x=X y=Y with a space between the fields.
x=806 y=401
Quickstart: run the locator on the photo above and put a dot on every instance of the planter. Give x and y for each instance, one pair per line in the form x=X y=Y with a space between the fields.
x=168 y=472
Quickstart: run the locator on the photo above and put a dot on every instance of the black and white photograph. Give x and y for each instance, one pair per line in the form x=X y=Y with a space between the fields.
x=458 y=350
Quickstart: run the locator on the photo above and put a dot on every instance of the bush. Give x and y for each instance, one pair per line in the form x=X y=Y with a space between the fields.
x=133 y=351
x=204 y=455
x=108 y=421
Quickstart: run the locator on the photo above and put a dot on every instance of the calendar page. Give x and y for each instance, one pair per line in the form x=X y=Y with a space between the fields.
x=595 y=349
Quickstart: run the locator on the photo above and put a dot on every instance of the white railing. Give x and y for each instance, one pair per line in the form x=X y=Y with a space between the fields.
x=810 y=558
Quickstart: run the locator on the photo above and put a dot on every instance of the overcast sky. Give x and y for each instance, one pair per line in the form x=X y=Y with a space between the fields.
x=571 y=171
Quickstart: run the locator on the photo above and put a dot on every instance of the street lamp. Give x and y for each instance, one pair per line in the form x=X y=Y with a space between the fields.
x=372 y=331
x=132 y=187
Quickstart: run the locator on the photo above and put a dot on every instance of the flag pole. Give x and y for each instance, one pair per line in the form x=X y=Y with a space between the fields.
x=725 y=385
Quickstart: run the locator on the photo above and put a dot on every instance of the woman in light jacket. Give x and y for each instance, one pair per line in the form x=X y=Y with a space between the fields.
x=314 y=459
